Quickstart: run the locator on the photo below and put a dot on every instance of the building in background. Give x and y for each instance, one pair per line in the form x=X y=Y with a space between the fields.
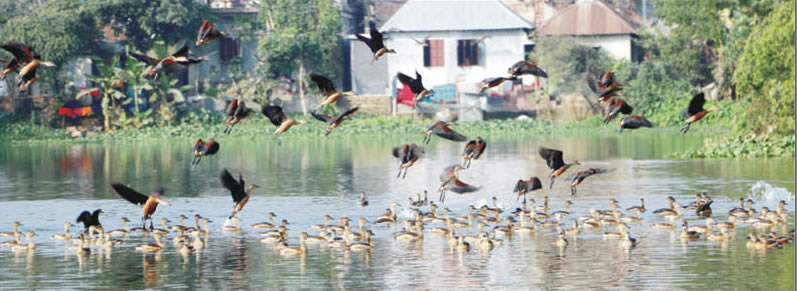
x=597 y=25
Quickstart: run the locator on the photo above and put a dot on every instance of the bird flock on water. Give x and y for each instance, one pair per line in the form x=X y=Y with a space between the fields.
x=493 y=224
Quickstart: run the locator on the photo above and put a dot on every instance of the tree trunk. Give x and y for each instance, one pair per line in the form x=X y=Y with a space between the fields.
x=106 y=112
x=301 y=86
x=12 y=92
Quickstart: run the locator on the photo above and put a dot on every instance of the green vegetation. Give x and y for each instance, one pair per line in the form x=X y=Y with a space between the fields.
x=743 y=147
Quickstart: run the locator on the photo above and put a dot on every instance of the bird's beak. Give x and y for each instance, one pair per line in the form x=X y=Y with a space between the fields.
x=257 y=186
x=198 y=42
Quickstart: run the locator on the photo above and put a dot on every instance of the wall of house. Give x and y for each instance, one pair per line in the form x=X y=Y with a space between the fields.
x=617 y=45
x=502 y=49
x=367 y=78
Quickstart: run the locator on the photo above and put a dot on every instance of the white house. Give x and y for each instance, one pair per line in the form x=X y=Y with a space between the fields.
x=596 y=25
x=451 y=41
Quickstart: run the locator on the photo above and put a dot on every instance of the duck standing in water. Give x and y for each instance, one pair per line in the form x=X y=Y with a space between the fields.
x=149 y=203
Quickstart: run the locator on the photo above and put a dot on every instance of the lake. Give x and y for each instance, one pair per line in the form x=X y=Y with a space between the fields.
x=43 y=186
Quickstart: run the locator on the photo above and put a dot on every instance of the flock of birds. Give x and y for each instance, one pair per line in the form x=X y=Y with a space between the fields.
x=527 y=219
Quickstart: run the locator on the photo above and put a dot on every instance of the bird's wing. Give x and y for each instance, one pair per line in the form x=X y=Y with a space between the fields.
x=232 y=108
x=416 y=151
x=480 y=148
x=696 y=104
x=535 y=184
x=552 y=157
x=20 y=51
x=404 y=79
x=324 y=84
x=84 y=217
x=636 y=121
x=470 y=147
x=519 y=186
x=417 y=86
x=625 y=108
x=129 y=194
x=146 y=59
x=347 y=113
x=448 y=174
x=367 y=42
x=607 y=79
x=274 y=114
x=203 y=30
x=236 y=188
x=376 y=39
x=321 y=117
x=182 y=52
x=449 y=134
x=398 y=151
x=461 y=187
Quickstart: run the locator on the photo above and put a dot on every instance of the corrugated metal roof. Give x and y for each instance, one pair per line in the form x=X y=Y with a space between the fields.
x=445 y=15
x=586 y=18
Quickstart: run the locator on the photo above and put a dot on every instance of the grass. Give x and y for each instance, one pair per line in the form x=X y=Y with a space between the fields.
x=742 y=147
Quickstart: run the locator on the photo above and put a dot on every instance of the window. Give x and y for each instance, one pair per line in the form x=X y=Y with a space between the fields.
x=468 y=52
x=433 y=55
x=228 y=48
x=527 y=49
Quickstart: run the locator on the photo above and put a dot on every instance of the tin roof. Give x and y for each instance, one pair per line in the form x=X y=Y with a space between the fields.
x=587 y=17
x=442 y=15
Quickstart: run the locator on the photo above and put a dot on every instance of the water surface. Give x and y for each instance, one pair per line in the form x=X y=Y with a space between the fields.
x=45 y=185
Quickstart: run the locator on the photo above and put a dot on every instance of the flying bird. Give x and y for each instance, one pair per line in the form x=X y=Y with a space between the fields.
x=240 y=193
x=416 y=86
x=207 y=32
x=579 y=177
x=441 y=129
x=634 y=122
x=553 y=158
x=473 y=150
x=173 y=63
x=236 y=111
x=451 y=182
x=376 y=44
x=524 y=186
x=280 y=120
x=26 y=61
x=615 y=107
x=407 y=155
x=202 y=148
x=149 y=203
x=526 y=68
x=328 y=88
x=334 y=121
x=494 y=82
x=695 y=111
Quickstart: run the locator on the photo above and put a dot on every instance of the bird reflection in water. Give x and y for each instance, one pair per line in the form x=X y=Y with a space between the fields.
x=152 y=269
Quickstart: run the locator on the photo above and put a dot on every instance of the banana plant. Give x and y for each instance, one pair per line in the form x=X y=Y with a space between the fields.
x=108 y=81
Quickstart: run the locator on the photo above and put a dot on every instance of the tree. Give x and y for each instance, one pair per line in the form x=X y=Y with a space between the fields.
x=765 y=73
x=304 y=32
x=58 y=30
x=142 y=21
